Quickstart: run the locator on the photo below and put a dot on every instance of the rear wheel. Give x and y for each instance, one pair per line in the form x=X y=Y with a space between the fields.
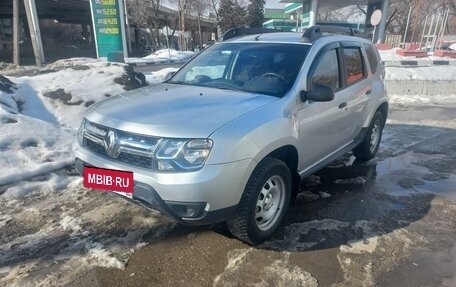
x=264 y=203
x=368 y=148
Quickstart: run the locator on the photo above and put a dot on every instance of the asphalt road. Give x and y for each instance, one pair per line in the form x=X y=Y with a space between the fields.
x=388 y=222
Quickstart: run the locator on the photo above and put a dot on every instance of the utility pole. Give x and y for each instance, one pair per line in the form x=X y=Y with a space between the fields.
x=32 y=18
x=127 y=27
x=16 y=58
x=407 y=26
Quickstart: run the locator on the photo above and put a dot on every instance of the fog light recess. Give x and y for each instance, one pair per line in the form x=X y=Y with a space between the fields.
x=187 y=209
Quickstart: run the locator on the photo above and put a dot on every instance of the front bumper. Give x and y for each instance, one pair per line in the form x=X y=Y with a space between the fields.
x=206 y=196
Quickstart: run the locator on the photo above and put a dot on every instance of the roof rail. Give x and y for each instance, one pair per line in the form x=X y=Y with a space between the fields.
x=313 y=33
x=242 y=31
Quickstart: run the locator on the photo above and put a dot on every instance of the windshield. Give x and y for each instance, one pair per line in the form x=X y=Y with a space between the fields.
x=266 y=68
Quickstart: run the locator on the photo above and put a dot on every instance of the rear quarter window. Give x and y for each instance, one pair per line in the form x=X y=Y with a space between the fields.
x=371 y=57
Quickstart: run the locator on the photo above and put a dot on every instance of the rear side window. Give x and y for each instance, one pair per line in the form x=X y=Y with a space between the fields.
x=371 y=57
x=327 y=70
x=353 y=65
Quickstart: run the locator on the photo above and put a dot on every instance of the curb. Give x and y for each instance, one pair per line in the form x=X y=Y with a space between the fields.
x=417 y=63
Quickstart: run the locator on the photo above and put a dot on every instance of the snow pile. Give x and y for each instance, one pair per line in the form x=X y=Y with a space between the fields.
x=435 y=73
x=153 y=78
x=424 y=81
x=445 y=101
x=77 y=63
x=170 y=54
x=164 y=56
x=40 y=118
x=53 y=229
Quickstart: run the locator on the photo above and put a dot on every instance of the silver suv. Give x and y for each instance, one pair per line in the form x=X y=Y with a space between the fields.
x=229 y=136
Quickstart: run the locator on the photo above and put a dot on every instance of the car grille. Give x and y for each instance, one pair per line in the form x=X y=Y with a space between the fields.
x=96 y=148
x=132 y=149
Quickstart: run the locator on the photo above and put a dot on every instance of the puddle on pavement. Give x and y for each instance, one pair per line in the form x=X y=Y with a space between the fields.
x=424 y=269
x=403 y=175
x=372 y=191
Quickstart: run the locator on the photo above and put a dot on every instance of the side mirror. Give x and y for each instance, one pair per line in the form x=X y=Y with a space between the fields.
x=169 y=75
x=319 y=93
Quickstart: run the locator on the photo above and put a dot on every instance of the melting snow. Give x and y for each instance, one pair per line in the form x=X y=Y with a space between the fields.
x=164 y=56
x=52 y=229
x=355 y=180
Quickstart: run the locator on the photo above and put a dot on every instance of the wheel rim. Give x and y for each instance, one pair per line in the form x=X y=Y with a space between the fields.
x=375 y=135
x=270 y=203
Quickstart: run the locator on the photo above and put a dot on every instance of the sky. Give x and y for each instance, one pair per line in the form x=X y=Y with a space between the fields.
x=274 y=4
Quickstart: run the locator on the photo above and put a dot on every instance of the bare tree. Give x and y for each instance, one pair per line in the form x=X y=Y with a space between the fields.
x=231 y=14
x=342 y=14
x=146 y=13
x=200 y=8
x=214 y=4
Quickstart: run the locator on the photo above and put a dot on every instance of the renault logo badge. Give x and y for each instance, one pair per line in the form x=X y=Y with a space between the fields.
x=111 y=144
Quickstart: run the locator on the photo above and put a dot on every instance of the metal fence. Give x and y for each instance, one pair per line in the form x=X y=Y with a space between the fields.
x=394 y=41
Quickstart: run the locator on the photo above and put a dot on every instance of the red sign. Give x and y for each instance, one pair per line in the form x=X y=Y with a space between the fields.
x=108 y=179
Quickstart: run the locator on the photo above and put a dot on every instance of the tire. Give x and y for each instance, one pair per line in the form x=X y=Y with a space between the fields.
x=264 y=203
x=368 y=148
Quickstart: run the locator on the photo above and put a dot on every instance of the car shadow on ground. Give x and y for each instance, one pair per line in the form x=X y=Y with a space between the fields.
x=350 y=201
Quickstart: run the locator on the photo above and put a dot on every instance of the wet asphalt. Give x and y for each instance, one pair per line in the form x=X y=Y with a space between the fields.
x=388 y=222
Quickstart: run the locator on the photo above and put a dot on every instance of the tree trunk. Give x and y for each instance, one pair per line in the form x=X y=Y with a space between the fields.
x=199 y=31
x=157 y=37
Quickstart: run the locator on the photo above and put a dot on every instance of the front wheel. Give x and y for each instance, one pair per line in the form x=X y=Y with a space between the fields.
x=264 y=203
x=368 y=148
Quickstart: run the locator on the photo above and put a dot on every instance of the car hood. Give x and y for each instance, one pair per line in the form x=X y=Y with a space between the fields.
x=172 y=110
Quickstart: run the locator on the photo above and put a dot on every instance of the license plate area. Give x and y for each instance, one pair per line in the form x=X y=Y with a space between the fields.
x=118 y=181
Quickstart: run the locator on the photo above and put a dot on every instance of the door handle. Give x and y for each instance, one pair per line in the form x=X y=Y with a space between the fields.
x=368 y=92
x=343 y=105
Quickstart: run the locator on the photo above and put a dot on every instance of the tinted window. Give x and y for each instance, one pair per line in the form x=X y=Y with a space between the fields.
x=353 y=65
x=371 y=57
x=327 y=70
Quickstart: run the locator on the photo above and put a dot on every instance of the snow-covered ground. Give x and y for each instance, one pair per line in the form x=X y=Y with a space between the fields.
x=49 y=222
x=164 y=56
x=53 y=228
x=40 y=118
x=434 y=73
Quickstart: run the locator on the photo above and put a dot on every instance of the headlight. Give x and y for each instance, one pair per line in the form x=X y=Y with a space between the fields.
x=80 y=135
x=183 y=154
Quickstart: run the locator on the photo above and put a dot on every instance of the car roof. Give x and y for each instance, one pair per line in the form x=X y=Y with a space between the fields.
x=294 y=38
x=309 y=37
x=285 y=37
